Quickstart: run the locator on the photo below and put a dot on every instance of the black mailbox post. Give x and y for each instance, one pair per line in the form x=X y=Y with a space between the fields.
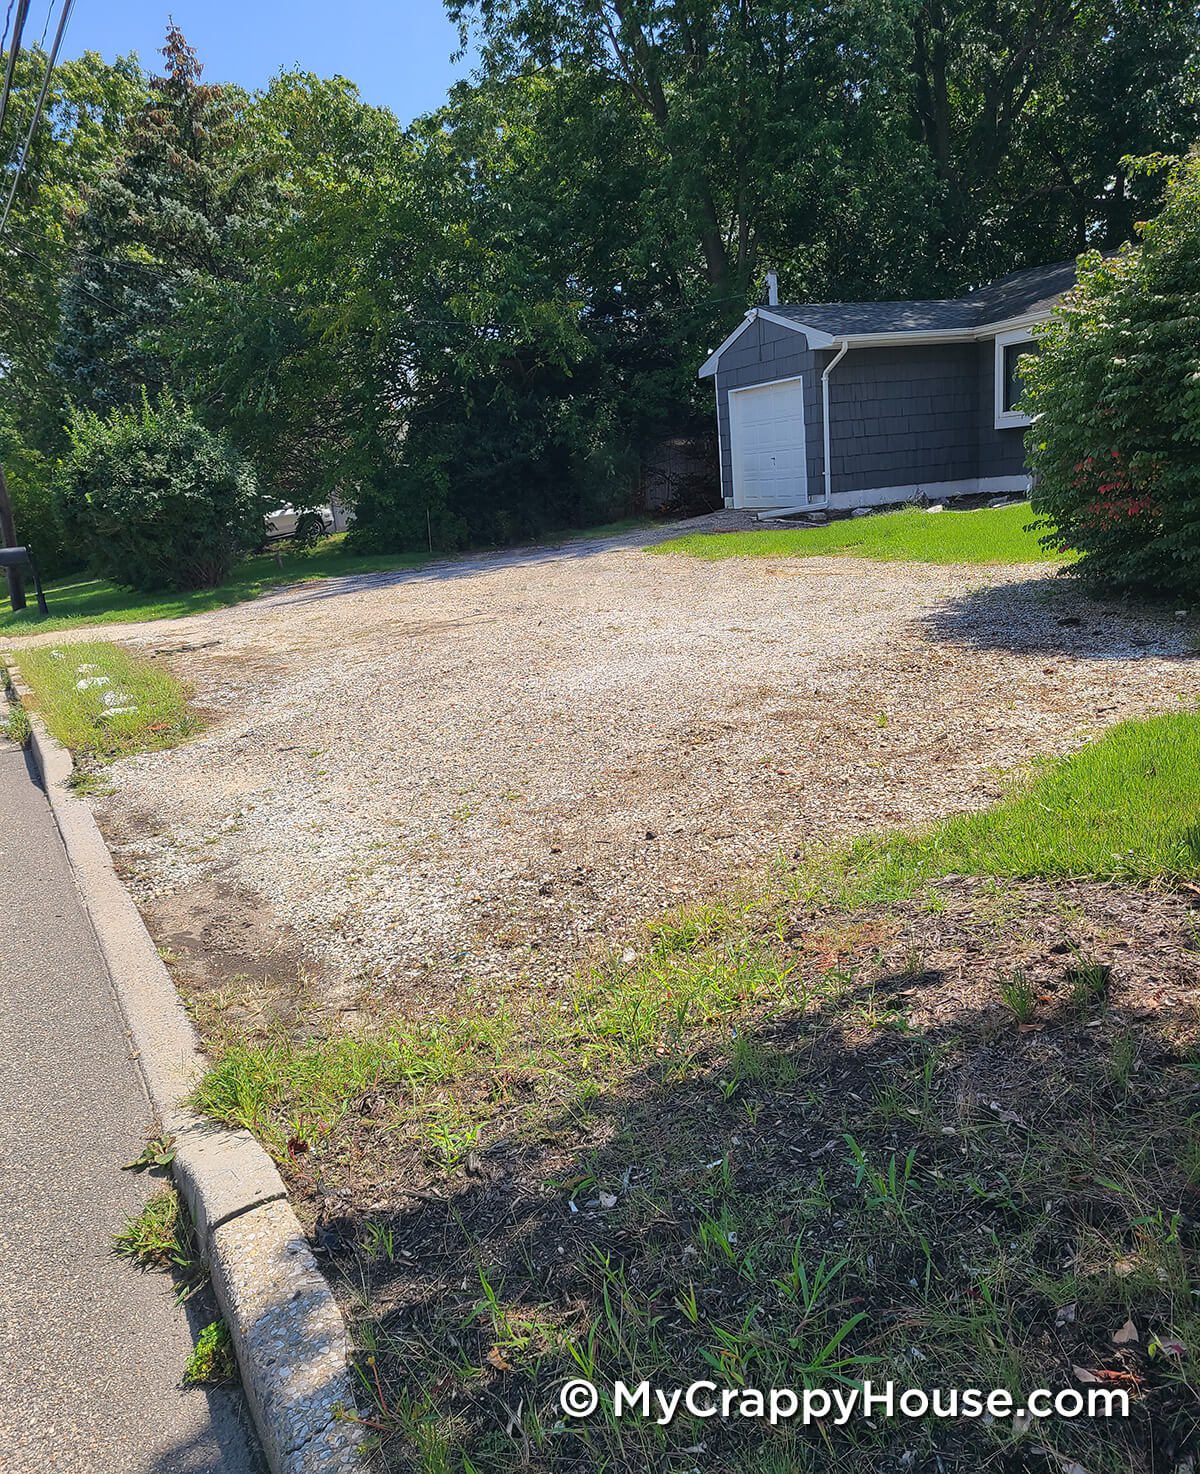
x=23 y=558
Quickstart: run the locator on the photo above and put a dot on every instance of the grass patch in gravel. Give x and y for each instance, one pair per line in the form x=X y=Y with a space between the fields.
x=987 y=535
x=102 y=702
x=942 y=1130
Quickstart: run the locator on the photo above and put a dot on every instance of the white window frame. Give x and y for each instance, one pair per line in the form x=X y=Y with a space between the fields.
x=1008 y=419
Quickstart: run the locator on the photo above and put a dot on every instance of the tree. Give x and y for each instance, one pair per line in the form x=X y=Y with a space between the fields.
x=1025 y=109
x=1115 y=395
x=760 y=121
x=292 y=349
x=79 y=137
x=158 y=219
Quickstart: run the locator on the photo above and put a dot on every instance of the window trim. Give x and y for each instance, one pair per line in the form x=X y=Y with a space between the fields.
x=1008 y=419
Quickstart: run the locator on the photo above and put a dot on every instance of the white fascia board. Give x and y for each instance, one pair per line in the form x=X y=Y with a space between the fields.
x=816 y=338
x=709 y=366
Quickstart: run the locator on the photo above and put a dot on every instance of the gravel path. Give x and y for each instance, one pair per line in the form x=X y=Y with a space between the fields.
x=484 y=769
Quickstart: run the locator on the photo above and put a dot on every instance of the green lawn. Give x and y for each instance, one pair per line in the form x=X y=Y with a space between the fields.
x=1126 y=807
x=82 y=600
x=101 y=702
x=990 y=535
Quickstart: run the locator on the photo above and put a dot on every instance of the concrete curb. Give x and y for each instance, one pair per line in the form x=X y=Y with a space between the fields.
x=286 y=1327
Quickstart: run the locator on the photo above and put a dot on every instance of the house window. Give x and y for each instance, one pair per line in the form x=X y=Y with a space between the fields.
x=1011 y=348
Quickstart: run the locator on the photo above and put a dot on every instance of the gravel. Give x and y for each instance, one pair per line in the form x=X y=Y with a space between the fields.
x=488 y=770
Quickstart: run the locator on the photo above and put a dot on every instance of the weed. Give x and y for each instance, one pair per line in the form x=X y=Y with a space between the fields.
x=212 y=1358
x=161 y=1237
x=1122 y=1058
x=1019 y=996
x=1089 y=984
x=16 y=725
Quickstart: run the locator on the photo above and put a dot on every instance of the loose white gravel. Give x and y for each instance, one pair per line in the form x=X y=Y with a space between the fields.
x=485 y=769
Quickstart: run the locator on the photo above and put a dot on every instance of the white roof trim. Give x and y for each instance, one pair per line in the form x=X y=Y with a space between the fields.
x=709 y=366
x=818 y=338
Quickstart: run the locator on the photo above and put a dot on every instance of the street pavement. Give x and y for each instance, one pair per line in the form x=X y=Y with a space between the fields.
x=91 y=1349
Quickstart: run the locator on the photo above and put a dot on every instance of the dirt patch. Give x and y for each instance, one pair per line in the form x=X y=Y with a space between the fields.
x=898 y=1167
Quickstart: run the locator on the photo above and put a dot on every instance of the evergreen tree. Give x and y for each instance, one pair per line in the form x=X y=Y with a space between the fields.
x=157 y=220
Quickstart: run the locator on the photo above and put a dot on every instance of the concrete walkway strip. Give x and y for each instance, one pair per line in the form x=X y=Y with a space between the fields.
x=286 y=1327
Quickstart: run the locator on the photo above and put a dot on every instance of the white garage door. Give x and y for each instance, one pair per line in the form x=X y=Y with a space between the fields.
x=766 y=428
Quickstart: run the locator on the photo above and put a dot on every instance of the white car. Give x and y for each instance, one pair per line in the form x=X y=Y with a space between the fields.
x=305 y=526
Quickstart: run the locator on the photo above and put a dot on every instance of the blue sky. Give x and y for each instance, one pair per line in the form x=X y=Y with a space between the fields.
x=398 y=51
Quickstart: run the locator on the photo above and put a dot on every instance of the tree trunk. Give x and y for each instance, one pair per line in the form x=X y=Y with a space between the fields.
x=8 y=535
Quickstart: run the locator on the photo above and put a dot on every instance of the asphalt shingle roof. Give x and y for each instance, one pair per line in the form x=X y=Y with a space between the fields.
x=1009 y=296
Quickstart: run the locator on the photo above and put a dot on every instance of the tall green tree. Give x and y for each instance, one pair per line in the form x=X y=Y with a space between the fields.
x=764 y=122
x=295 y=350
x=1025 y=110
x=87 y=106
x=160 y=217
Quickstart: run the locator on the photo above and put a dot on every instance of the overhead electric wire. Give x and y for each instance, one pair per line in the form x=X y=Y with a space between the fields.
x=13 y=50
x=68 y=5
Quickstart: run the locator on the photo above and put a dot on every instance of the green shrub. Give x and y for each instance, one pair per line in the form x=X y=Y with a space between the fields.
x=155 y=499
x=1115 y=392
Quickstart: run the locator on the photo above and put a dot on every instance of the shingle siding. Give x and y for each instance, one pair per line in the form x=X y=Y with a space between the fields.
x=1001 y=452
x=913 y=414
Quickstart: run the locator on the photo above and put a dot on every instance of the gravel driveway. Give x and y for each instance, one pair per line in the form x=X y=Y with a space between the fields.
x=485 y=769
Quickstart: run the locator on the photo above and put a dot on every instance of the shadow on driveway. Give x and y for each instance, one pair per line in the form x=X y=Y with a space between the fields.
x=1049 y=615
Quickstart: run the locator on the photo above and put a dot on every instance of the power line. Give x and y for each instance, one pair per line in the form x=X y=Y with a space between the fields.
x=68 y=5
x=14 y=48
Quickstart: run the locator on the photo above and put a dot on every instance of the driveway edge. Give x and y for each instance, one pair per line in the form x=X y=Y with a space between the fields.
x=287 y=1331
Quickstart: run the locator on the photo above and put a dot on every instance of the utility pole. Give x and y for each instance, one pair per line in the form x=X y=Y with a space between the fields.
x=8 y=535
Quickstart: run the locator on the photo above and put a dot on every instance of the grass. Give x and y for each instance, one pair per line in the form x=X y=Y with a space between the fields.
x=989 y=535
x=126 y=704
x=79 y=600
x=817 y=1131
x=160 y=1237
x=1126 y=807
x=15 y=725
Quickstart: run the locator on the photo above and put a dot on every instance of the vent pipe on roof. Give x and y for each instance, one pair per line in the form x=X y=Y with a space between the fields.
x=772 y=289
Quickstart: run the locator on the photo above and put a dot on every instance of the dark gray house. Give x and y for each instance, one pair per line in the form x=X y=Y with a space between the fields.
x=848 y=404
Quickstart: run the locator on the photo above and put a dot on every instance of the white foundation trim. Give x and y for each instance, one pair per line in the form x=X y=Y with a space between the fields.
x=880 y=496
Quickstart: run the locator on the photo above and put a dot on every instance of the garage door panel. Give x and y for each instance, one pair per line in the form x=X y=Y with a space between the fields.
x=767 y=437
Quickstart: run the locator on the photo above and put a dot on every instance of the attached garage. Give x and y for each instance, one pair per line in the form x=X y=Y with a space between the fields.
x=766 y=425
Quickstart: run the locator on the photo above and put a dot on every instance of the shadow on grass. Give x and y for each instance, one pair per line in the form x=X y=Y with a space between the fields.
x=896 y=1183
x=1053 y=616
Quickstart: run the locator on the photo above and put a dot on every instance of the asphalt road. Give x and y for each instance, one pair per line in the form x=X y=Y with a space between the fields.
x=91 y=1350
